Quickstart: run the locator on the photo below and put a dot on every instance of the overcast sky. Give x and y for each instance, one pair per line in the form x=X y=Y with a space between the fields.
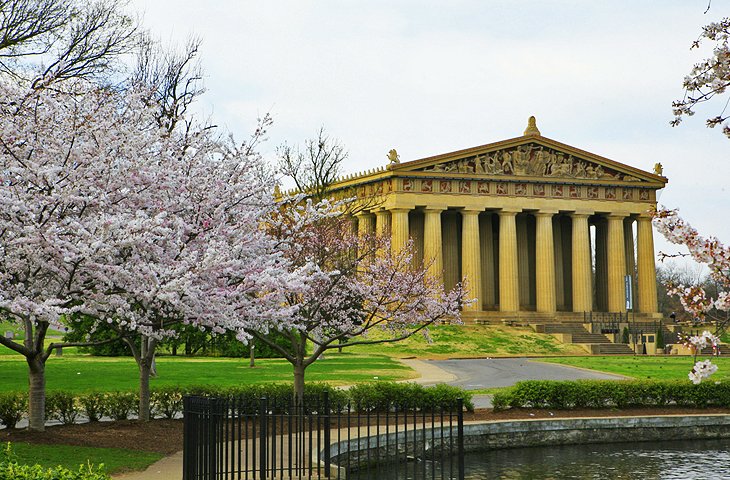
x=429 y=77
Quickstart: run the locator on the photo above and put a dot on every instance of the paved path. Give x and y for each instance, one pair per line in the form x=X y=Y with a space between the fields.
x=473 y=374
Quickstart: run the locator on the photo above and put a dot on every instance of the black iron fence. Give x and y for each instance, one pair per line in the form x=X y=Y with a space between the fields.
x=236 y=438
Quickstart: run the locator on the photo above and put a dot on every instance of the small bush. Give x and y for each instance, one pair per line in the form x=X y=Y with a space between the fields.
x=93 y=405
x=61 y=406
x=120 y=405
x=12 y=407
x=166 y=402
x=10 y=469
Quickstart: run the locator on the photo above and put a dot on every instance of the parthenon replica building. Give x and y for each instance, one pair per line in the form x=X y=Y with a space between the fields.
x=537 y=228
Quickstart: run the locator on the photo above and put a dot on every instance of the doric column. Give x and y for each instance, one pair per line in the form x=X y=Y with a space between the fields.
x=581 y=246
x=382 y=222
x=471 y=265
x=616 y=263
x=382 y=227
x=545 y=262
x=487 y=256
x=629 y=254
x=366 y=228
x=433 y=255
x=509 y=294
x=365 y=223
x=646 y=265
x=398 y=228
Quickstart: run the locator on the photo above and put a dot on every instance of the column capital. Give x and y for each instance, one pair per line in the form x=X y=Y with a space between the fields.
x=645 y=216
x=581 y=213
x=545 y=213
x=509 y=212
x=617 y=215
x=435 y=208
x=398 y=209
x=364 y=213
x=470 y=211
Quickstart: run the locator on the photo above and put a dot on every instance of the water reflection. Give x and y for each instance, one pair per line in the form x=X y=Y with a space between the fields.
x=686 y=460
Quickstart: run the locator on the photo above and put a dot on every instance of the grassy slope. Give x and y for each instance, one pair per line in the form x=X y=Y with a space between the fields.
x=454 y=341
x=114 y=459
x=82 y=373
x=662 y=368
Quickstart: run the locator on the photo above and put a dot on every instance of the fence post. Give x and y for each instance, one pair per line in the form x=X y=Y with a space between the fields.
x=212 y=405
x=187 y=438
x=326 y=433
x=263 y=453
x=460 y=430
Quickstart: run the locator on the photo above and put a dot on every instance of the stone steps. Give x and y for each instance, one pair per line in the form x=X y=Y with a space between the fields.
x=615 y=349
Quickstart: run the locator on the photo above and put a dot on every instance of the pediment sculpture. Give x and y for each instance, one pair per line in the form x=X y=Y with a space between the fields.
x=531 y=160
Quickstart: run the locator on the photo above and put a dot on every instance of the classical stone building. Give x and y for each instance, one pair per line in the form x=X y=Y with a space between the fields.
x=538 y=229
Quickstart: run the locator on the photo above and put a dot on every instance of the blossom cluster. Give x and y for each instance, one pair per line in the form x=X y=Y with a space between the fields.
x=708 y=78
x=700 y=342
x=701 y=371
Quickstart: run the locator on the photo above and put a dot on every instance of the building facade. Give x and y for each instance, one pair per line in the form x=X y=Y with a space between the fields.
x=538 y=229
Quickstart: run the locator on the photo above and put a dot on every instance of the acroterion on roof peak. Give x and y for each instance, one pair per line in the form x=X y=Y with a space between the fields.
x=531 y=127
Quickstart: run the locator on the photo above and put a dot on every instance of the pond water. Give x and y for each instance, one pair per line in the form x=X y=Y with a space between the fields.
x=686 y=460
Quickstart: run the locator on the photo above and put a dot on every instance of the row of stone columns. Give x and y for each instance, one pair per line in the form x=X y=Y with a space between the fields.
x=613 y=242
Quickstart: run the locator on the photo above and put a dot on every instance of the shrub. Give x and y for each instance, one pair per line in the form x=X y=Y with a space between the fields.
x=93 y=405
x=660 y=339
x=120 y=404
x=10 y=469
x=12 y=407
x=61 y=406
x=166 y=401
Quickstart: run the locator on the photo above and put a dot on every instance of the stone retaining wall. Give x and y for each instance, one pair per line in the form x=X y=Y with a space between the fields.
x=531 y=433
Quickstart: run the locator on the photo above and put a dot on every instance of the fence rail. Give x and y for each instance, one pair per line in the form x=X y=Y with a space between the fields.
x=237 y=438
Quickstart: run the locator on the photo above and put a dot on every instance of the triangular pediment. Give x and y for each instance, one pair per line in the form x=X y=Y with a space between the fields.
x=528 y=156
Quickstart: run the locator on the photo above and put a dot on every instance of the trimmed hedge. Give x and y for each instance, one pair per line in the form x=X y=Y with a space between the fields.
x=600 y=394
x=11 y=470
x=167 y=402
x=381 y=396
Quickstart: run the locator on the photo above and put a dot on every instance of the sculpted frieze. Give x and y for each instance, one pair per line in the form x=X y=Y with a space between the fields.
x=531 y=160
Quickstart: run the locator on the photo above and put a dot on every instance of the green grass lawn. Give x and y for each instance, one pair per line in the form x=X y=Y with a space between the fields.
x=643 y=367
x=114 y=459
x=84 y=373
x=454 y=341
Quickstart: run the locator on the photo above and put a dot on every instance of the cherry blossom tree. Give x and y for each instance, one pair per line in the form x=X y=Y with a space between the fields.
x=354 y=285
x=708 y=251
x=104 y=213
x=694 y=298
x=708 y=78
x=66 y=163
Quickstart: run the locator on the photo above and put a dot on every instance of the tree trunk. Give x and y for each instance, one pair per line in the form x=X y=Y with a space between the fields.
x=144 y=390
x=251 y=355
x=37 y=394
x=299 y=382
